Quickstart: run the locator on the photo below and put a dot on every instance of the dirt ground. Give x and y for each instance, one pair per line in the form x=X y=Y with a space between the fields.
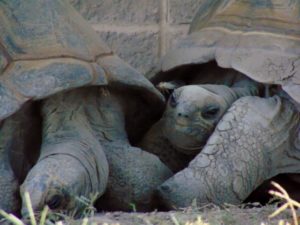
x=211 y=215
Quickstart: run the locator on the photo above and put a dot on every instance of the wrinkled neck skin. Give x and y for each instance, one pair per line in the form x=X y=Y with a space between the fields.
x=110 y=117
x=72 y=162
x=156 y=143
x=255 y=140
x=239 y=89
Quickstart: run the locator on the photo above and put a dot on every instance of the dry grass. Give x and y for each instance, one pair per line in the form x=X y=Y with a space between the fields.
x=289 y=203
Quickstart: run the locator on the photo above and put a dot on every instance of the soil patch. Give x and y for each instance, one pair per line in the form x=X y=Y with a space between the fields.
x=213 y=215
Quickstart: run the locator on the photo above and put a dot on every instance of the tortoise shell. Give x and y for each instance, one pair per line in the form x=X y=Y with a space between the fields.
x=47 y=47
x=260 y=39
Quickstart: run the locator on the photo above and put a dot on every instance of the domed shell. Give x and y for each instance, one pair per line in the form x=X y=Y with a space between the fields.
x=47 y=47
x=260 y=39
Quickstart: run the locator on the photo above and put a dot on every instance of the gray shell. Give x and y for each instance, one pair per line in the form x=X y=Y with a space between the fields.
x=46 y=47
x=260 y=39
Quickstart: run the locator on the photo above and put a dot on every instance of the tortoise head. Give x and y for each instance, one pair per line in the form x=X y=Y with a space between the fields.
x=192 y=113
x=50 y=182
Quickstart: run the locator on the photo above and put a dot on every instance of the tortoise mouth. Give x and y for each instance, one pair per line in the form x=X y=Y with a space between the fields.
x=179 y=143
x=185 y=138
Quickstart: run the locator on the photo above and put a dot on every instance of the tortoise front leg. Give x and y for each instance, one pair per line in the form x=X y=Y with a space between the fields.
x=72 y=162
x=254 y=141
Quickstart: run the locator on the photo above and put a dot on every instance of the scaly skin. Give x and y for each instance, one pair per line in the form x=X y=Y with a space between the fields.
x=255 y=140
x=72 y=162
x=134 y=177
x=156 y=142
x=190 y=117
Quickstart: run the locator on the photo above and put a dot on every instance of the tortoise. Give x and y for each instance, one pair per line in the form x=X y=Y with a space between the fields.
x=85 y=104
x=197 y=101
x=258 y=136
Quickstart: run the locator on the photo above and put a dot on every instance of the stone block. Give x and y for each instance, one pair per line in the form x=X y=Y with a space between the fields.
x=182 y=12
x=176 y=34
x=139 y=49
x=119 y=12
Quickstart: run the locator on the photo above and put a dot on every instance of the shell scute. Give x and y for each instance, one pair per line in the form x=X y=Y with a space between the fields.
x=40 y=79
x=8 y=101
x=43 y=29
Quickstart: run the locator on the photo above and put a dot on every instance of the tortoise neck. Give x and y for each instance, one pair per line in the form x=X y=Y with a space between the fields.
x=156 y=142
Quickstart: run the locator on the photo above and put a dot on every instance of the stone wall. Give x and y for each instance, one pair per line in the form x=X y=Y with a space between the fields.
x=139 y=31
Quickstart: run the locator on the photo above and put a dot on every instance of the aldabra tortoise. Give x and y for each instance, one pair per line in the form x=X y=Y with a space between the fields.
x=47 y=49
x=258 y=137
x=193 y=110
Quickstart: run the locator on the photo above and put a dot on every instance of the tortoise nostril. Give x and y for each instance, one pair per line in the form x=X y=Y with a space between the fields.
x=164 y=188
x=182 y=115
x=55 y=201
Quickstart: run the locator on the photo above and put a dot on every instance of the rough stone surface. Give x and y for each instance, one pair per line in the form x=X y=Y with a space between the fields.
x=139 y=31
x=140 y=49
x=119 y=11
x=177 y=34
x=182 y=12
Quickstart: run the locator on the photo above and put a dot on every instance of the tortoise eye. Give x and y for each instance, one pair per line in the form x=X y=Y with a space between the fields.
x=210 y=112
x=55 y=201
x=173 y=100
